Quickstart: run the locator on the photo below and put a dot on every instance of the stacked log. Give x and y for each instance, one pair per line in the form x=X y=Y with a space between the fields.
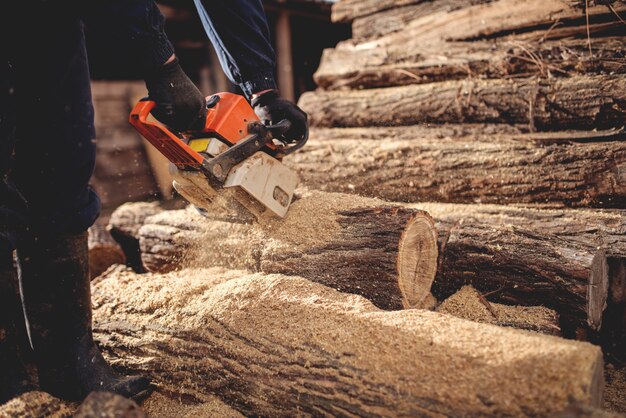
x=566 y=260
x=272 y=345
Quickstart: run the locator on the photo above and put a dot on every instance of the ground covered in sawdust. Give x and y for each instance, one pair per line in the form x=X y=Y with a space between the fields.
x=615 y=388
x=159 y=405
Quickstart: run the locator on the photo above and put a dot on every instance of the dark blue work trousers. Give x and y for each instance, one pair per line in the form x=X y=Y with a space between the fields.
x=47 y=135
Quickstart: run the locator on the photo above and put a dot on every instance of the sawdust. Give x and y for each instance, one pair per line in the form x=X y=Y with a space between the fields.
x=277 y=343
x=615 y=389
x=36 y=405
x=467 y=304
x=161 y=406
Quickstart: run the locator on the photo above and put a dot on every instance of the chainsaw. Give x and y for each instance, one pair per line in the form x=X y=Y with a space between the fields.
x=233 y=162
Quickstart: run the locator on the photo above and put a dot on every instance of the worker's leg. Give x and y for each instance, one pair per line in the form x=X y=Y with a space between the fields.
x=55 y=155
x=13 y=340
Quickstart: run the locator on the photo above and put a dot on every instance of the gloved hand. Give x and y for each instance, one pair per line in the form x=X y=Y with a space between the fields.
x=271 y=108
x=179 y=103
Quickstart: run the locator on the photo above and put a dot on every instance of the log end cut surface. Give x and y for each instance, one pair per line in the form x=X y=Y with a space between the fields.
x=417 y=260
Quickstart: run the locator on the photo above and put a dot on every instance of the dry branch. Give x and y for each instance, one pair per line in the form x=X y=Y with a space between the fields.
x=272 y=345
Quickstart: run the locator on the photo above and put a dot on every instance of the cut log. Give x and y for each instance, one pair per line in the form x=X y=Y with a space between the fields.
x=554 y=258
x=35 y=405
x=379 y=251
x=348 y=10
x=124 y=224
x=593 y=102
x=464 y=165
x=108 y=405
x=104 y=251
x=272 y=345
x=469 y=304
x=370 y=65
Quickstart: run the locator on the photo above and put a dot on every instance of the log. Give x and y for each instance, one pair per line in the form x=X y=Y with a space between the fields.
x=272 y=345
x=585 y=102
x=124 y=224
x=104 y=251
x=36 y=405
x=367 y=65
x=554 y=258
x=376 y=250
x=469 y=304
x=108 y=405
x=465 y=165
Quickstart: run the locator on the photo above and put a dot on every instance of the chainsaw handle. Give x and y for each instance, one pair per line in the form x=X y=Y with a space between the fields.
x=283 y=127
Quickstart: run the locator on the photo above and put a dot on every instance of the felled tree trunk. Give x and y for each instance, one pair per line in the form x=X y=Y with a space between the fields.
x=369 y=248
x=272 y=345
x=104 y=251
x=412 y=164
x=586 y=102
x=370 y=66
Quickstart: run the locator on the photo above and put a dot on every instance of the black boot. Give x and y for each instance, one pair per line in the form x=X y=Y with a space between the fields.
x=14 y=376
x=54 y=272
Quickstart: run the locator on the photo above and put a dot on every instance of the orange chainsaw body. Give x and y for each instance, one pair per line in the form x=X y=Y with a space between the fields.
x=228 y=119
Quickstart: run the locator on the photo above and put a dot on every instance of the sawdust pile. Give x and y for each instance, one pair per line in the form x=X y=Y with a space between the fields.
x=205 y=328
x=467 y=303
x=35 y=405
x=615 y=390
x=161 y=406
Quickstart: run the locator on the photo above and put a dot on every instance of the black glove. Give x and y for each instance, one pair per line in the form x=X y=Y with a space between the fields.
x=180 y=104
x=271 y=108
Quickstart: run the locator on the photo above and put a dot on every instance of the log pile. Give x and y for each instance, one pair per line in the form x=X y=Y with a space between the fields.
x=493 y=130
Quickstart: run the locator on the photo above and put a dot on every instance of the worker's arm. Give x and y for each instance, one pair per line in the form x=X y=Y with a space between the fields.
x=138 y=25
x=239 y=32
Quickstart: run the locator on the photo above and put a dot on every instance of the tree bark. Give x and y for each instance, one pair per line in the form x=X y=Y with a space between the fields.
x=554 y=258
x=369 y=65
x=376 y=250
x=465 y=165
x=589 y=102
x=104 y=251
x=272 y=345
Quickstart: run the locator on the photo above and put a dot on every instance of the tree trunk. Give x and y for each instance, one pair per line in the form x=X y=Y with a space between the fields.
x=463 y=165
x=272 y=345
x=469 y=304
x=124 y=224
x=555 y=258
x=376 y=250
x=104 y=251
x=593 y=102
x=370 y=65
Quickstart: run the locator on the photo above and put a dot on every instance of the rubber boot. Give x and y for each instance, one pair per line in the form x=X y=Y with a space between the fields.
x=54 y=273
x=14 y=376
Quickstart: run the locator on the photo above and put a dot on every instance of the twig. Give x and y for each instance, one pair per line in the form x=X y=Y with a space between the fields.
x=611 y=8
x=487 y=305
x=588 y=31
x=493 y=292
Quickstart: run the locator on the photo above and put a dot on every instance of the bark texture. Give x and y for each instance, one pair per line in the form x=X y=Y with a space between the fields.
x=586 y=102
x=380 y=251
x=410 y=61
x=411 y=164
x=272 y=345
x=104 y=251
